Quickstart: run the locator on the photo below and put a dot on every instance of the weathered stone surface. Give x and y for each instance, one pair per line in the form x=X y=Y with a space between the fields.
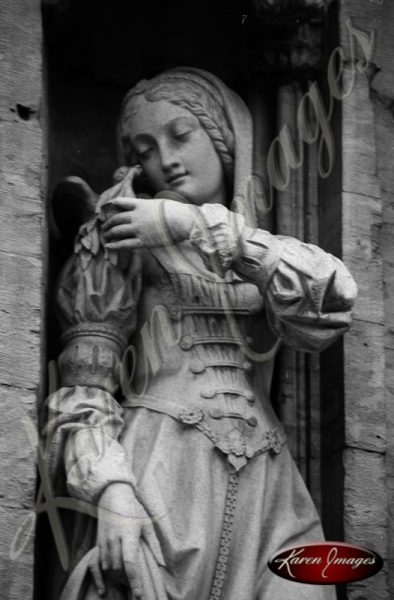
x=22 y=222
x=21 y=56
x=385 y=147
x=359 y=151
x=366 y=516
x=20 y=320
x=365 y=410
x=383 y=81
x=365 y=483
x=18 y=480
x=21 y=214
x=367 y=17
x=21 y=177
x=16 y=570
x=19 y=488
x=361 y=253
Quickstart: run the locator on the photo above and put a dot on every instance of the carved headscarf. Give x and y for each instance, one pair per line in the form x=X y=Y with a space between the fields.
x=221 y=112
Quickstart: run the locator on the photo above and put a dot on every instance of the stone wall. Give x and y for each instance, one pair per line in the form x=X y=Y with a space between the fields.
x=382 y=93
x=22 y=248
x=367 y=141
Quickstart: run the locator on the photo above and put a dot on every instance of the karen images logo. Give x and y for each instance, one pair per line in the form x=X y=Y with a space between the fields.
x=326 y=563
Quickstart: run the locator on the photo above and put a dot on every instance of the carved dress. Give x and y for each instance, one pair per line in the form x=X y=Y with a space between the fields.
x=193 y=431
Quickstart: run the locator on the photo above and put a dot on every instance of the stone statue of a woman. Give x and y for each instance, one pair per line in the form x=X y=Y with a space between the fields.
x=170 y=307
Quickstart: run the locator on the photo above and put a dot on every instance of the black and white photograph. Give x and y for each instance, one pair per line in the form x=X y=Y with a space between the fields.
x=196 y=300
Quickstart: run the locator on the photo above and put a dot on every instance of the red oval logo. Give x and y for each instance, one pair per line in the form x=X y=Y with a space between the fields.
x=326 y=563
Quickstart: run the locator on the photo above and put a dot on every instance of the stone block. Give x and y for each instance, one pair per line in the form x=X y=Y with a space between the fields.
x=21 y=320
x=365 y=494
x=18 y=483
x=366 y=516
x=368 y=17
x=358 y=138
x=20 y=56
x=21 y=228
x=362 y=253
x=16 y=554
x=365 y=409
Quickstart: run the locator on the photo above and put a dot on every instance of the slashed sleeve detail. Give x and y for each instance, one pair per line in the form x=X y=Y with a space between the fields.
x=97 y=297
x=310 y=296
x=84 y=425
x=308 y=293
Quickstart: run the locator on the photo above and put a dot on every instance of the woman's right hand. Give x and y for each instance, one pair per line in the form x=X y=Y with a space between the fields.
x=147 y=223
x=122 y=522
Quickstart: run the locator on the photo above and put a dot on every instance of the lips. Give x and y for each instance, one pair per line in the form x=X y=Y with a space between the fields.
x=175 y=177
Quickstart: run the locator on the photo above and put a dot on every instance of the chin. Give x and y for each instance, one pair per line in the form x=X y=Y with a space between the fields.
x=190 y=195
x=197 y=201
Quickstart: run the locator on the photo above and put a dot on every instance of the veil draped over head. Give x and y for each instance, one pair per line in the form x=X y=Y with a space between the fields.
x=221 y=112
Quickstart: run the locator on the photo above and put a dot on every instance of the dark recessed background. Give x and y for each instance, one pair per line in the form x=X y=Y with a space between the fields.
x=118 y=42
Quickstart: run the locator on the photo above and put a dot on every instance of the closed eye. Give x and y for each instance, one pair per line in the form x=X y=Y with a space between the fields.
x=182 y=135
x=145 y=153
x=181 y=128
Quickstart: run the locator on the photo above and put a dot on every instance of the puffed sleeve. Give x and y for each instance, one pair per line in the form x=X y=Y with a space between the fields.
x=308 y=293
x=97 y=296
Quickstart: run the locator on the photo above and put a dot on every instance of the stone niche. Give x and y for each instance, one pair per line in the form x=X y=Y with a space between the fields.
x=95 y=53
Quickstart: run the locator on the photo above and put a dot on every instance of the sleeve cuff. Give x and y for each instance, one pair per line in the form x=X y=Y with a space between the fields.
x=259 y=256
x=224 y=242
x=216 y=235
x=93 y=461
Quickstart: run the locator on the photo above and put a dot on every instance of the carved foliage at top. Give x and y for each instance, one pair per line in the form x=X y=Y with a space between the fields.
x=279 y=7
x=288 y=36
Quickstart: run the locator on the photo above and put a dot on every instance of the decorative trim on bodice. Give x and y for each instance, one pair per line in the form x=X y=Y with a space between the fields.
x=233 y=443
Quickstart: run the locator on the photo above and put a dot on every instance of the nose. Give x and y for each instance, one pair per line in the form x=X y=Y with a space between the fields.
x=168 y=156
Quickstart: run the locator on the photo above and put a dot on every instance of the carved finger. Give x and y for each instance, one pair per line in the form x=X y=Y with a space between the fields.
x=97 y=576
x=130 y=568
x=134 y=582
x=118 y=219
x=152 y=540
x=120 y=232
x=105 y=556
x=125 y=244
x=115 y=548
x=123 y=203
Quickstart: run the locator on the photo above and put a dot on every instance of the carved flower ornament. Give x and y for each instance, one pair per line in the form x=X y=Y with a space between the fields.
x=191 y=416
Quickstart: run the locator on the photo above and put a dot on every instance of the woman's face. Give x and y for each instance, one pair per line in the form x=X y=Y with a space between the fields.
x=176 y=153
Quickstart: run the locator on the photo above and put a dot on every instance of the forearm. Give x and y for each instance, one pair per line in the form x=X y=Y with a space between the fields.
x=84 y=418
x=308 y=293
x=82 y=439
x=97 y=308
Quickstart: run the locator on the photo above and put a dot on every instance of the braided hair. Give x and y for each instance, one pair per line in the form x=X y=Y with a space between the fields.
x=192 y=93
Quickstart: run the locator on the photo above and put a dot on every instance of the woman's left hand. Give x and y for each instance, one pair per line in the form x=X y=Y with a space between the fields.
x=147 y=223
